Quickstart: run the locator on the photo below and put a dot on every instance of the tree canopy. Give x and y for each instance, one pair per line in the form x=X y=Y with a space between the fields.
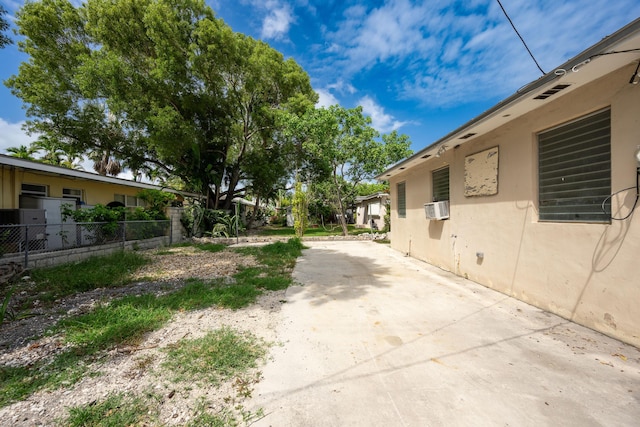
x=4 y=26
x=160 y=85
x=344 y=150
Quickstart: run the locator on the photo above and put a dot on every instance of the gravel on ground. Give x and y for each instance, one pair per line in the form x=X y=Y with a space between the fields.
x=137 y=369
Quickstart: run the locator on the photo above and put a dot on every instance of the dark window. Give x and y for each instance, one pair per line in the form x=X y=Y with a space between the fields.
x=72 y=193
x=402 y=200
x=35 y=190
x=440 y=180
x=574 y=170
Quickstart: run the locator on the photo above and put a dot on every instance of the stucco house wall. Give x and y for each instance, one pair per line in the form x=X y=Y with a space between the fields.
x=93 y=192
x=585 y=272
x=368 y=208
x=95 y=189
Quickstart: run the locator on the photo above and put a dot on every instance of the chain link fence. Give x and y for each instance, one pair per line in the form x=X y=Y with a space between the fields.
x=17 y=242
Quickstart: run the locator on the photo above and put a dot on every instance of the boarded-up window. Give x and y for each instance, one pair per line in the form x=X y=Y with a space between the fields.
x=440 y=180
x=574 y=170
x=402 y=200
x=481 y=173
x=374 y=209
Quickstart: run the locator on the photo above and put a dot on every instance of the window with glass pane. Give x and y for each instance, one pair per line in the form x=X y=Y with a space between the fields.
x=35 y=190
x=72 y=193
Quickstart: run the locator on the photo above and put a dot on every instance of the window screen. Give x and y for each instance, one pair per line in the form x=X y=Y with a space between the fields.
x=132 y=201
x=72 y=193
x=574 y=170
x=128 y=201
x=402 y=200
x=440 y=180
x=34 y=190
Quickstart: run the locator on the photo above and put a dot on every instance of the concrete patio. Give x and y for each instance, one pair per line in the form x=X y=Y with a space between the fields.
x=373 y=338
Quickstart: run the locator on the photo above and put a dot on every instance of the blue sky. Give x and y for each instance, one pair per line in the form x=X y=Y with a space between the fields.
x=421 y=67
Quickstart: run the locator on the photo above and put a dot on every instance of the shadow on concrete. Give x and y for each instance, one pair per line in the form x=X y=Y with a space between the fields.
x=334 y=275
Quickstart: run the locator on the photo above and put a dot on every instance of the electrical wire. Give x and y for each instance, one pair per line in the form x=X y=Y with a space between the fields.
x=521 y=39
x=635 y=74
x=613 y=52
x=635 y=203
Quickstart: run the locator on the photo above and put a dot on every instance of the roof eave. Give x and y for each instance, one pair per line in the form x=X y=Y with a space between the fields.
x=597 y=49
x=75 y=174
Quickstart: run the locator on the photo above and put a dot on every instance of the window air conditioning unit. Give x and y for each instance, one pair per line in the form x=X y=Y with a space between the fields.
x=437 y=210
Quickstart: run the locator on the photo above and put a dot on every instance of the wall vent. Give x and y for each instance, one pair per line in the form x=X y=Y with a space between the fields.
x=467 y=136
x=551 y=92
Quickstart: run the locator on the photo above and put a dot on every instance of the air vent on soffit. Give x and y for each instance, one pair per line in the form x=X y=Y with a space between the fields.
x=546 y=94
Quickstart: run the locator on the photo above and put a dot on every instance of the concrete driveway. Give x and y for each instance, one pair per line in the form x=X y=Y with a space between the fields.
x=373 y=338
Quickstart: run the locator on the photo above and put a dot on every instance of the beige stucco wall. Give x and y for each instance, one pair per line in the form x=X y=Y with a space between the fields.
x=11 y=180
x=363 y=219
x=583 y=272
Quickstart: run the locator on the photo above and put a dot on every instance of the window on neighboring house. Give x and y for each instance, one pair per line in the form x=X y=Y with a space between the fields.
x=440 y=180
x=35 y=190
x=574 y=170
x=72 y=193
x=402 y=200
x=129 y=201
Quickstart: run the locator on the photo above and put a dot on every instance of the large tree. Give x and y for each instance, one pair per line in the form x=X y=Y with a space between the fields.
x=23 y=152
x=158 y=84
x=343 y=146
x=4 y=26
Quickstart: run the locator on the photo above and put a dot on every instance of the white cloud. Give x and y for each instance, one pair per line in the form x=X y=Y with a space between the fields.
x=326 y=98
x=380 y=121
x=386 y=33
x=443 y=53
x=342 y=87
x=276 y=24
x=12 y=135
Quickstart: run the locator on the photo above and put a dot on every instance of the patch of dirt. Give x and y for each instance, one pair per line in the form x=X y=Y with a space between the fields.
x=137 y=369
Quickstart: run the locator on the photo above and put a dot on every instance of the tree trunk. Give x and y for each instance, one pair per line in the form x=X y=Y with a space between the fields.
x=254 y=213
x=343 y=213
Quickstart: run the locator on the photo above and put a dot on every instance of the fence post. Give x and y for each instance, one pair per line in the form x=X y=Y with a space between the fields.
x=124 y=234
x=170 y=231
x=26 y=246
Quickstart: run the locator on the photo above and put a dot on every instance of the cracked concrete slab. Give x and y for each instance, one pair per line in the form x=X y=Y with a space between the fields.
x=373 y=338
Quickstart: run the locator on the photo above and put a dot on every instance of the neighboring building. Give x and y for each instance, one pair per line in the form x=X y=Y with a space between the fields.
x=371 y=210
x=28 y=184
x=19 y=177
x=34 y=193
x=522 y=187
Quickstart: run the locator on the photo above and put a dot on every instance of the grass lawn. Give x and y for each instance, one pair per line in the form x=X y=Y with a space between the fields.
x=327 y=230
x=126 y=320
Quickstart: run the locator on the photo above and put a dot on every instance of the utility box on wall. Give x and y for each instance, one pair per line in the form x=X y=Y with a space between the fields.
x=15 y=239
x=60 y=233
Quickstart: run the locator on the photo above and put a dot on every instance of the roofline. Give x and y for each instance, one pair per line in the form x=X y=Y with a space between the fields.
x=31 y=165
x=378 y=195
x=588 y=53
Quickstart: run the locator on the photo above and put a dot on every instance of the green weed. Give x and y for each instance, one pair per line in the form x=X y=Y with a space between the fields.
x=211 y=247
x=329 y=230
x=117 y=410
x=127 y=320
x=218 y=356
x=96 y=272
x=16 y=383
x=123 y=321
